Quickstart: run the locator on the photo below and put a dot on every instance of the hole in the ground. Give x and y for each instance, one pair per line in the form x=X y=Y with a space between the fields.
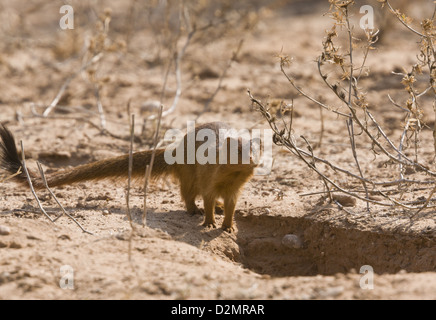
x=328 y=249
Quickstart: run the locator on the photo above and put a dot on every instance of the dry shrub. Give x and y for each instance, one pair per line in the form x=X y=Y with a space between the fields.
x=406 y=175
x=173 y=20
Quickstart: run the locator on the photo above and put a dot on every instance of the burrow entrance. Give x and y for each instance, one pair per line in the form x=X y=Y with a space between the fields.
x=329 y=249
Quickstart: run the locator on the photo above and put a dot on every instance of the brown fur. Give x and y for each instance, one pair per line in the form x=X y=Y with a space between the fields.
x=210 y=181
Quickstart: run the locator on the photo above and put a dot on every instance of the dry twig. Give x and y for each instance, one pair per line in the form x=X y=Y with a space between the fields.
x=129 y=214
x=29 y=180
x=149 y=167
x=57 y=201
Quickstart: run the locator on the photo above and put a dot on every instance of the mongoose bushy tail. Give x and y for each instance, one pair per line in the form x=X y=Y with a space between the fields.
x=117 y=167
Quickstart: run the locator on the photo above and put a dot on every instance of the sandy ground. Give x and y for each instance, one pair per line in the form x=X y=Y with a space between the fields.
x=173 y=256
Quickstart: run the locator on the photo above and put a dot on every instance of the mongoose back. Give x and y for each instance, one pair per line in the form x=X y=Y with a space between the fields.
x=210 y=180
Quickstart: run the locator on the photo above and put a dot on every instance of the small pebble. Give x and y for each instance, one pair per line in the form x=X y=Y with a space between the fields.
x=15 y=245
x=292 y=241
x=64 y=237
x=4 y=230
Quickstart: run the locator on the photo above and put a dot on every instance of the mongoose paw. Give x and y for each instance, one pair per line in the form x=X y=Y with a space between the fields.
x=209 y=225
x=228 y=229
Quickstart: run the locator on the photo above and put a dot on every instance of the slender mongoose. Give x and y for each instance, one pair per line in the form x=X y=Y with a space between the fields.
x=210 y=180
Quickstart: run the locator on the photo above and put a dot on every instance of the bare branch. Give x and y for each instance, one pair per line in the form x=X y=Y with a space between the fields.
x=57 y=201
x=29 y=180
x=67 y=82
x=149 y=167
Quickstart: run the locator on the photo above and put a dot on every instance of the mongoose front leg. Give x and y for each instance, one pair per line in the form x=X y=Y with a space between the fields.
x=229 y=211
x=209 y=211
